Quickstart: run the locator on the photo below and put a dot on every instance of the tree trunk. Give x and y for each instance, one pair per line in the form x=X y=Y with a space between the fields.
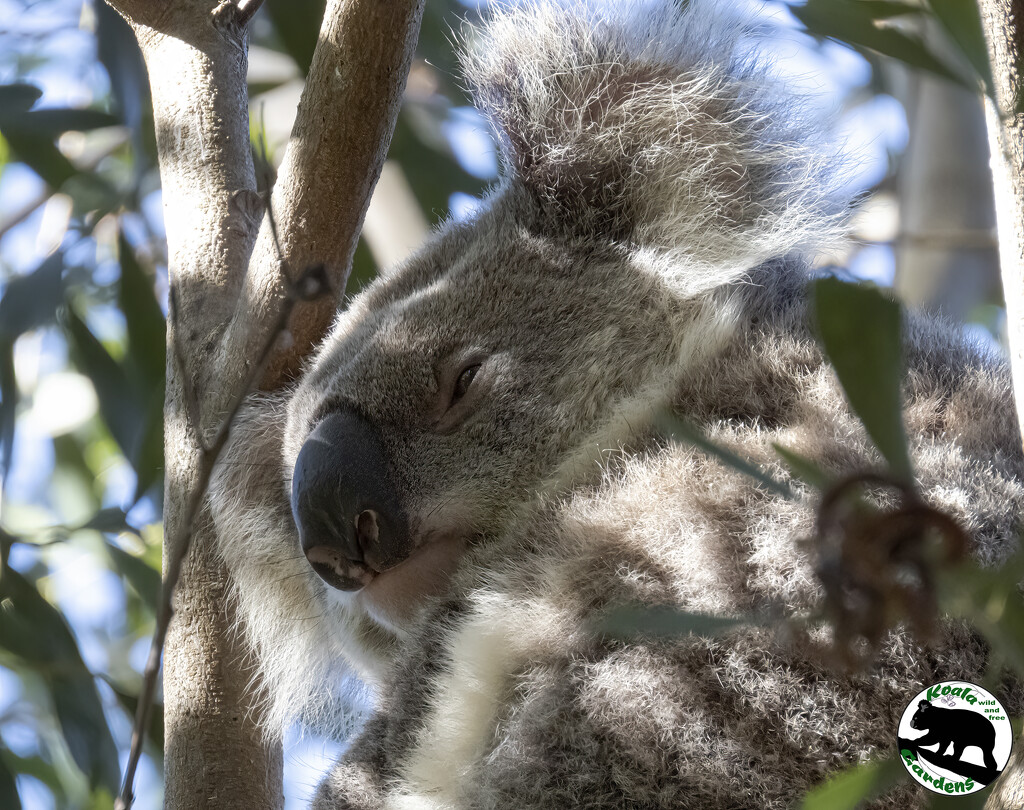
x=228 y=285
x=1003 y=21
x=946 y=257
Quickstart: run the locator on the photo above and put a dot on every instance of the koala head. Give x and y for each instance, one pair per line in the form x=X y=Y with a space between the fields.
x=641 y=176
x=921 y=718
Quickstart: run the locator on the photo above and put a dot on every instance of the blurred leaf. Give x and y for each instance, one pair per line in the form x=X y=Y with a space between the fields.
x=680 y=430
x=148 y=461
x=859 y=330
x=111 y=521
x=803 y=468
x=145 y=580
x=118 y=50
x=8 y=406
x=41 y=156
x=31 y=300
x=38 y=768
x=666 y=622
x=856 y=22
x=990 y=600
x=143 y=318
x=855 y=785
x=28 y=302
x=121 y=411
x=130 y=703
x=8 y=789
x=53 y=121
x=35 y=631
x=18 y=98
x=962 y=22
x=297 y=23
x=145 y=359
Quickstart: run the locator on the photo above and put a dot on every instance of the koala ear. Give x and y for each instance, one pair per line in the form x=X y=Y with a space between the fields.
x=640 y=123
x=924 y=704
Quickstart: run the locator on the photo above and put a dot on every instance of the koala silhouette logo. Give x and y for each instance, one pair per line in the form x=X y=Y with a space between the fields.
x=961 y=727
x=955 y=717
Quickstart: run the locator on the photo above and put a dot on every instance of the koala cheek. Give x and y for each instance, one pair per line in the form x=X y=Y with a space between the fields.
x=350 y=521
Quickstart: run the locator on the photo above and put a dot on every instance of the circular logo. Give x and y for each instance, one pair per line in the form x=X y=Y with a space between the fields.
x=955 y=738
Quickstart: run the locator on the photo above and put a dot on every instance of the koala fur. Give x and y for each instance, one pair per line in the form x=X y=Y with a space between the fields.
x=646 y=249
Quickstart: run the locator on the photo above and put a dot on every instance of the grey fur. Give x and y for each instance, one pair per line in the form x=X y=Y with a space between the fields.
x=642 y=250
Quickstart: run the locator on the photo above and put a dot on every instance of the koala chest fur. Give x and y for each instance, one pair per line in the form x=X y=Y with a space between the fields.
x=467 y=477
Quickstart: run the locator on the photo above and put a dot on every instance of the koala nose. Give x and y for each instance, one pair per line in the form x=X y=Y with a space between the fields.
x=351 y=525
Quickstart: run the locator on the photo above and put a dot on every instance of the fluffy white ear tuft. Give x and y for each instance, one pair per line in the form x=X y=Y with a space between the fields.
x=647 y=124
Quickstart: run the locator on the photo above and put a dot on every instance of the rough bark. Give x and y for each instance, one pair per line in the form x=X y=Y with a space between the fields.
x=1003 y=21
x=195 y=50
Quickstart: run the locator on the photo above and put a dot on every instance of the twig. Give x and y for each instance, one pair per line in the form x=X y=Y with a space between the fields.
x=247 y=10
x=312 y=284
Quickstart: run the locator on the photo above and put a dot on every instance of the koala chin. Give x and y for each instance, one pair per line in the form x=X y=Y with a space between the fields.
x=467 y=475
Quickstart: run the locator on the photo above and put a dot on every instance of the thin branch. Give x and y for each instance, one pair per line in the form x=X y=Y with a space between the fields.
x=247 y=10
x=339 y=141
x=312 y=284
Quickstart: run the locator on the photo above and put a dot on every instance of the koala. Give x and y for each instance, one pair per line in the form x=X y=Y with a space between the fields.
x=961 y=727
x=468 y=475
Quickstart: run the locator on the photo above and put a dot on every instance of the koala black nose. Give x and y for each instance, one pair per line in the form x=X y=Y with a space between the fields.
x=351 y=525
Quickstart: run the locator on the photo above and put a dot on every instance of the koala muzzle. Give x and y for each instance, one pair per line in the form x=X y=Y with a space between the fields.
x=351 y=525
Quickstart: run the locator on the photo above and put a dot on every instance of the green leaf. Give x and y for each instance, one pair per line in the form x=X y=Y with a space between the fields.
x=145 y=360
x=8 y=407
x=41 y=156
x=119 y=405
x=18 y=98
x=856 y=23
x=664 y=622
x=8 y=789
x=854 y=785
x=54 y=121
x=130 y=703
x=962 y=22
x=145 y=580
x=859 y=330
x=683 y=431
x=110 y=520
x=990 y=600
x=803 y=468
x=35 y=631
x=31 y=300
x=297 y=23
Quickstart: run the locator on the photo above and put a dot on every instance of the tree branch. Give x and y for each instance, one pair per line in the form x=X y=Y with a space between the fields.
x=338 y=145
x=229 y=298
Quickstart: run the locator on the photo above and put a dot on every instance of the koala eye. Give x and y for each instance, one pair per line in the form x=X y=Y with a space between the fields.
x=465 y=379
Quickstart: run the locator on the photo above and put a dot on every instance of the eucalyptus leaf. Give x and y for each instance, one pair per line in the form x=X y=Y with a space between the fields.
x=856 y=23
x=628 y=621
x=53 y=121
x=18 y=98
x=8 y=788
x=119 y=401
x=860 y=331
x=855 y=785
x=681 y=430
x=962 y=22
x=144 y=579
x=297 y=23
x=803 y=468
x=30 y=301
x=35 y=631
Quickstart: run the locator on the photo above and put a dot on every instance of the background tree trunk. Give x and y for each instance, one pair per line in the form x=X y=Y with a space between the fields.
x=228 y=285
x=1003 y=21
